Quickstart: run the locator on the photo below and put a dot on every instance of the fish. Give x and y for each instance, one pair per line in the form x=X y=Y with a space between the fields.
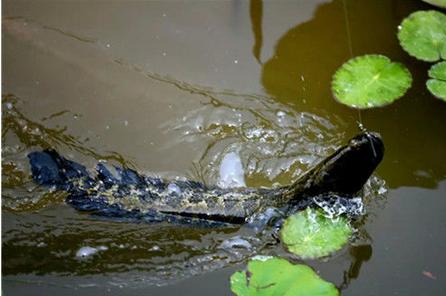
x=125 y=194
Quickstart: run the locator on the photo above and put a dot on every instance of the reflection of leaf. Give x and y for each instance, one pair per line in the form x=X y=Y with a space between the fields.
x=423 y=35
x=370 y=81
x=275 y=276
x=310 y=234
x=437 y=85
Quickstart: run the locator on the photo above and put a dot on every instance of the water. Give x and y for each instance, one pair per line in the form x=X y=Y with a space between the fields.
x=170 y=88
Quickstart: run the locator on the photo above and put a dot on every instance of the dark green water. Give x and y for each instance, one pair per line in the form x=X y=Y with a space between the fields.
x=170 y=87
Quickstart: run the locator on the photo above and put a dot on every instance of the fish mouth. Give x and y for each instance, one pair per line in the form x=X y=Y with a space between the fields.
x=369 y=143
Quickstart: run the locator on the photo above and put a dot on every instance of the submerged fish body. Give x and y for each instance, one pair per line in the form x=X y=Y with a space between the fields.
x=123 y=193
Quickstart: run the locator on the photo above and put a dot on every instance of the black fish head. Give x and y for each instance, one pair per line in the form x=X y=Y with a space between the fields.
x=351 y=166
x=368 y=149
x=347 y=169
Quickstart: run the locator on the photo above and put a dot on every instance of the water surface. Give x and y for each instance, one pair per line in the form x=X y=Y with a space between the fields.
x=170 y=88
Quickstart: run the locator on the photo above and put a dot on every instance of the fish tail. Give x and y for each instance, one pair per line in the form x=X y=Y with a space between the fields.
x=49 y=168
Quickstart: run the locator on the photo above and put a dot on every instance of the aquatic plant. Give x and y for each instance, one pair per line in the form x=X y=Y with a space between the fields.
x=439 y=3
x=423 y=35
x=370 y=81
x=309 y=234
x=276 y=276
x=437 y=84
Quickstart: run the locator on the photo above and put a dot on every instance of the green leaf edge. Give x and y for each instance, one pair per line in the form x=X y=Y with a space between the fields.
x=440 y=3
x=437 y=73
x=406 y=45
x=363 y=107
x=239 y=278
x=431 y=85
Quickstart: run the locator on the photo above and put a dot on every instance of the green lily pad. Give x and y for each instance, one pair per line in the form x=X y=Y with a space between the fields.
x=439 y=3
x=437 y=85
x=276 y=276
x=370 y=81
x=309 y=234
x=423 y=35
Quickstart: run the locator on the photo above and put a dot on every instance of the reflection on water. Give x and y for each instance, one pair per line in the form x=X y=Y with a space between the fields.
x=294 y=73
x=359 y=255
x=256 y=12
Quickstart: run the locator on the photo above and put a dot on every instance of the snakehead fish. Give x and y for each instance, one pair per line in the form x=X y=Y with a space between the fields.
x=123 y=193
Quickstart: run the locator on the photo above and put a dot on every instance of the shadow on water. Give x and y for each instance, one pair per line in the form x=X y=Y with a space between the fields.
x=300 y=71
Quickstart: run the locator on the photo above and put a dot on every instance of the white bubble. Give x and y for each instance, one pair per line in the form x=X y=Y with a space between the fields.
x=231 y=171
x=235 y=242
x=262 y=257
x=174 y=188
x=280 y=114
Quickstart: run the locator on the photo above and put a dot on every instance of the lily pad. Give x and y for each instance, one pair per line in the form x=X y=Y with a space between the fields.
x=439 y=3
x=276 y=276
x=437 y=85
x=309 y=234
x=423 y=35
x=370 y=81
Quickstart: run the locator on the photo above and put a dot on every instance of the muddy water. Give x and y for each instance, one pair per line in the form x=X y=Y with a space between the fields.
x=170 y=88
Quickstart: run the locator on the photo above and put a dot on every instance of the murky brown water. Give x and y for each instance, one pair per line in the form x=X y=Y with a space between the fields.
x=170 y=88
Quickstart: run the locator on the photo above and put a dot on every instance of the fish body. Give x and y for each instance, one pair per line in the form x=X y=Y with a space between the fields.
x=124 y=193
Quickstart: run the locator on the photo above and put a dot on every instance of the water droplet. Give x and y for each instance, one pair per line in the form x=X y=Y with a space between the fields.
x=155 y=248
x=85 y=252
x=280 y=114
x=174 y=188
x=41 y=245
x=382 y=190
x=235 y=243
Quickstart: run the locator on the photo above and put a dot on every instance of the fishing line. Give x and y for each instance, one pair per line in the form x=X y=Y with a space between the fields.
x=350 y=48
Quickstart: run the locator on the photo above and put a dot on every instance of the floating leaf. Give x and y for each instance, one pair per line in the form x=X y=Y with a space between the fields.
x=275 y=276
x=370 y=81
x=439 y=3
x=437 y=85
x=423 y=35
x=310 y=234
